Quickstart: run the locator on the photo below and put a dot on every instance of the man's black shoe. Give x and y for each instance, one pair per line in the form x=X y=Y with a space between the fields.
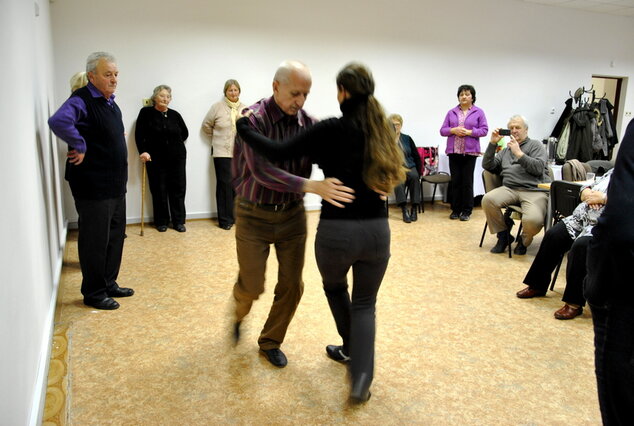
x=337 y=353
x=454 y=216
x=504 y=239
x=275 y=357
x=465 y=217
x=120 y=292
x=180 y=227
x=520 y=248
x=107 y=303
x=161 y=228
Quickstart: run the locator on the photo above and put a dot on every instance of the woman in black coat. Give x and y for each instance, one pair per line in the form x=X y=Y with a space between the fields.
x=160 y=138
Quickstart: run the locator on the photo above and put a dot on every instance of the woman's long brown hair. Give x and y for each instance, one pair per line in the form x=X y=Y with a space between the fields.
x=383 y=160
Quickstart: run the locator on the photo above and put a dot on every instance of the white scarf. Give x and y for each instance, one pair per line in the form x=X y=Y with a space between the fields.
x=234 y=112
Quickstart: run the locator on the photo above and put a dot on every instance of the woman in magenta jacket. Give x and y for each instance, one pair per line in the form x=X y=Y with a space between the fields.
x=464 y=125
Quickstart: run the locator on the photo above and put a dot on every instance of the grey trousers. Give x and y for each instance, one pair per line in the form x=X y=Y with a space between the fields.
x=534 y=206
x=364 y=246
x=411 y=182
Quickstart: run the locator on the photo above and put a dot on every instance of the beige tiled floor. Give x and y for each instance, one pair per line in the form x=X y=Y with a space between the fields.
x=454 y=345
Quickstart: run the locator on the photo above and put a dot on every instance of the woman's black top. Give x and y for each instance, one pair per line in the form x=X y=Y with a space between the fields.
x=161 y=134
x=337 y=146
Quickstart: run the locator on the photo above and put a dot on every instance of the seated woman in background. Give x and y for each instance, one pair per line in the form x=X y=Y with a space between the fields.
x=359 y=150
x=572 y=234
x=414 y=166
x=160 y=138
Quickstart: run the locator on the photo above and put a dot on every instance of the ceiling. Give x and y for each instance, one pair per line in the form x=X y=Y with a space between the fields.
x=610 y=7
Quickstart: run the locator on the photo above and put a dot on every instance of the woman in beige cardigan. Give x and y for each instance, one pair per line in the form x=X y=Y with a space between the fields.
x=220 y=125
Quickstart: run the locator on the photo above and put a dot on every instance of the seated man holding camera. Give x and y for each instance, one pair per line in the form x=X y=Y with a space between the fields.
x=522 y=165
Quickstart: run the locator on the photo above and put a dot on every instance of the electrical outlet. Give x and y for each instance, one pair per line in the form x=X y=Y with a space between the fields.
x=628 y=113
x=146 y=102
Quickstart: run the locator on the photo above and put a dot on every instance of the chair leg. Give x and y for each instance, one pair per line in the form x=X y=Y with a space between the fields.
x=422 y=197
x=433 y=197
x=484 y=231
x=517 y=237
x=510 y=248
x=552 y=283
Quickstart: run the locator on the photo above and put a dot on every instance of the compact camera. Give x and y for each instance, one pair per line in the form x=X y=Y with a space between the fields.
x=504 y=132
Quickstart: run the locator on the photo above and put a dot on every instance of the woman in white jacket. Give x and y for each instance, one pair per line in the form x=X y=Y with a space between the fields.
x=220 y=125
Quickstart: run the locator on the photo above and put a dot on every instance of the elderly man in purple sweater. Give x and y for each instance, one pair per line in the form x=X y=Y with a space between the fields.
x=97 y=171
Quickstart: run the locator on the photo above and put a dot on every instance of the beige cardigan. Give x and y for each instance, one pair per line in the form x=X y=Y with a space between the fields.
x=217 y=125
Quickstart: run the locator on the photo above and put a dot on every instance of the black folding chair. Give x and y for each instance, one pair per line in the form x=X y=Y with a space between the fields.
x=564 y=198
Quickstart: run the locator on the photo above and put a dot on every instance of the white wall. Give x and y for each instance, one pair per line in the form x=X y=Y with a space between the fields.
x=522 y=58
x=30 y=231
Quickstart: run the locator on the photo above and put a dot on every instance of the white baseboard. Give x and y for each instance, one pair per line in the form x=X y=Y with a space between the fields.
x=46 y=345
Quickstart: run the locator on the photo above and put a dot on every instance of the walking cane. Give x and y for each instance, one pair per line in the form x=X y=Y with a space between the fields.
x=142 y=196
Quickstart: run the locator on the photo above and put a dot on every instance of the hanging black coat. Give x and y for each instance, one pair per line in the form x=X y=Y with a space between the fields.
x=580 y=140
x=563 y=119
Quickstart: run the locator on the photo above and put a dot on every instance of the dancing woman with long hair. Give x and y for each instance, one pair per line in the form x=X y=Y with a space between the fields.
x=358 y=149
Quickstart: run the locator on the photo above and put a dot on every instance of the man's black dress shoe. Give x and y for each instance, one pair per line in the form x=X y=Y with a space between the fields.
x=337 y=353
x=226 y=226
x=504 y=239
x=107 y=303
x=180 y=227
x=520 y=248
x=161 y=228
x=454 y=216
x=275 y=357
x=120 y=292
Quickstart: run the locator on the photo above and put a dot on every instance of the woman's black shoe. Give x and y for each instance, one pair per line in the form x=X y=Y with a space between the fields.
x=406 y=217
x=360 y=392
x=337 y=353
x=414 y=213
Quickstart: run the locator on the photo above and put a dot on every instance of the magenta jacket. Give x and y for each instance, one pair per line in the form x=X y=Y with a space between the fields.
x=475 y=120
